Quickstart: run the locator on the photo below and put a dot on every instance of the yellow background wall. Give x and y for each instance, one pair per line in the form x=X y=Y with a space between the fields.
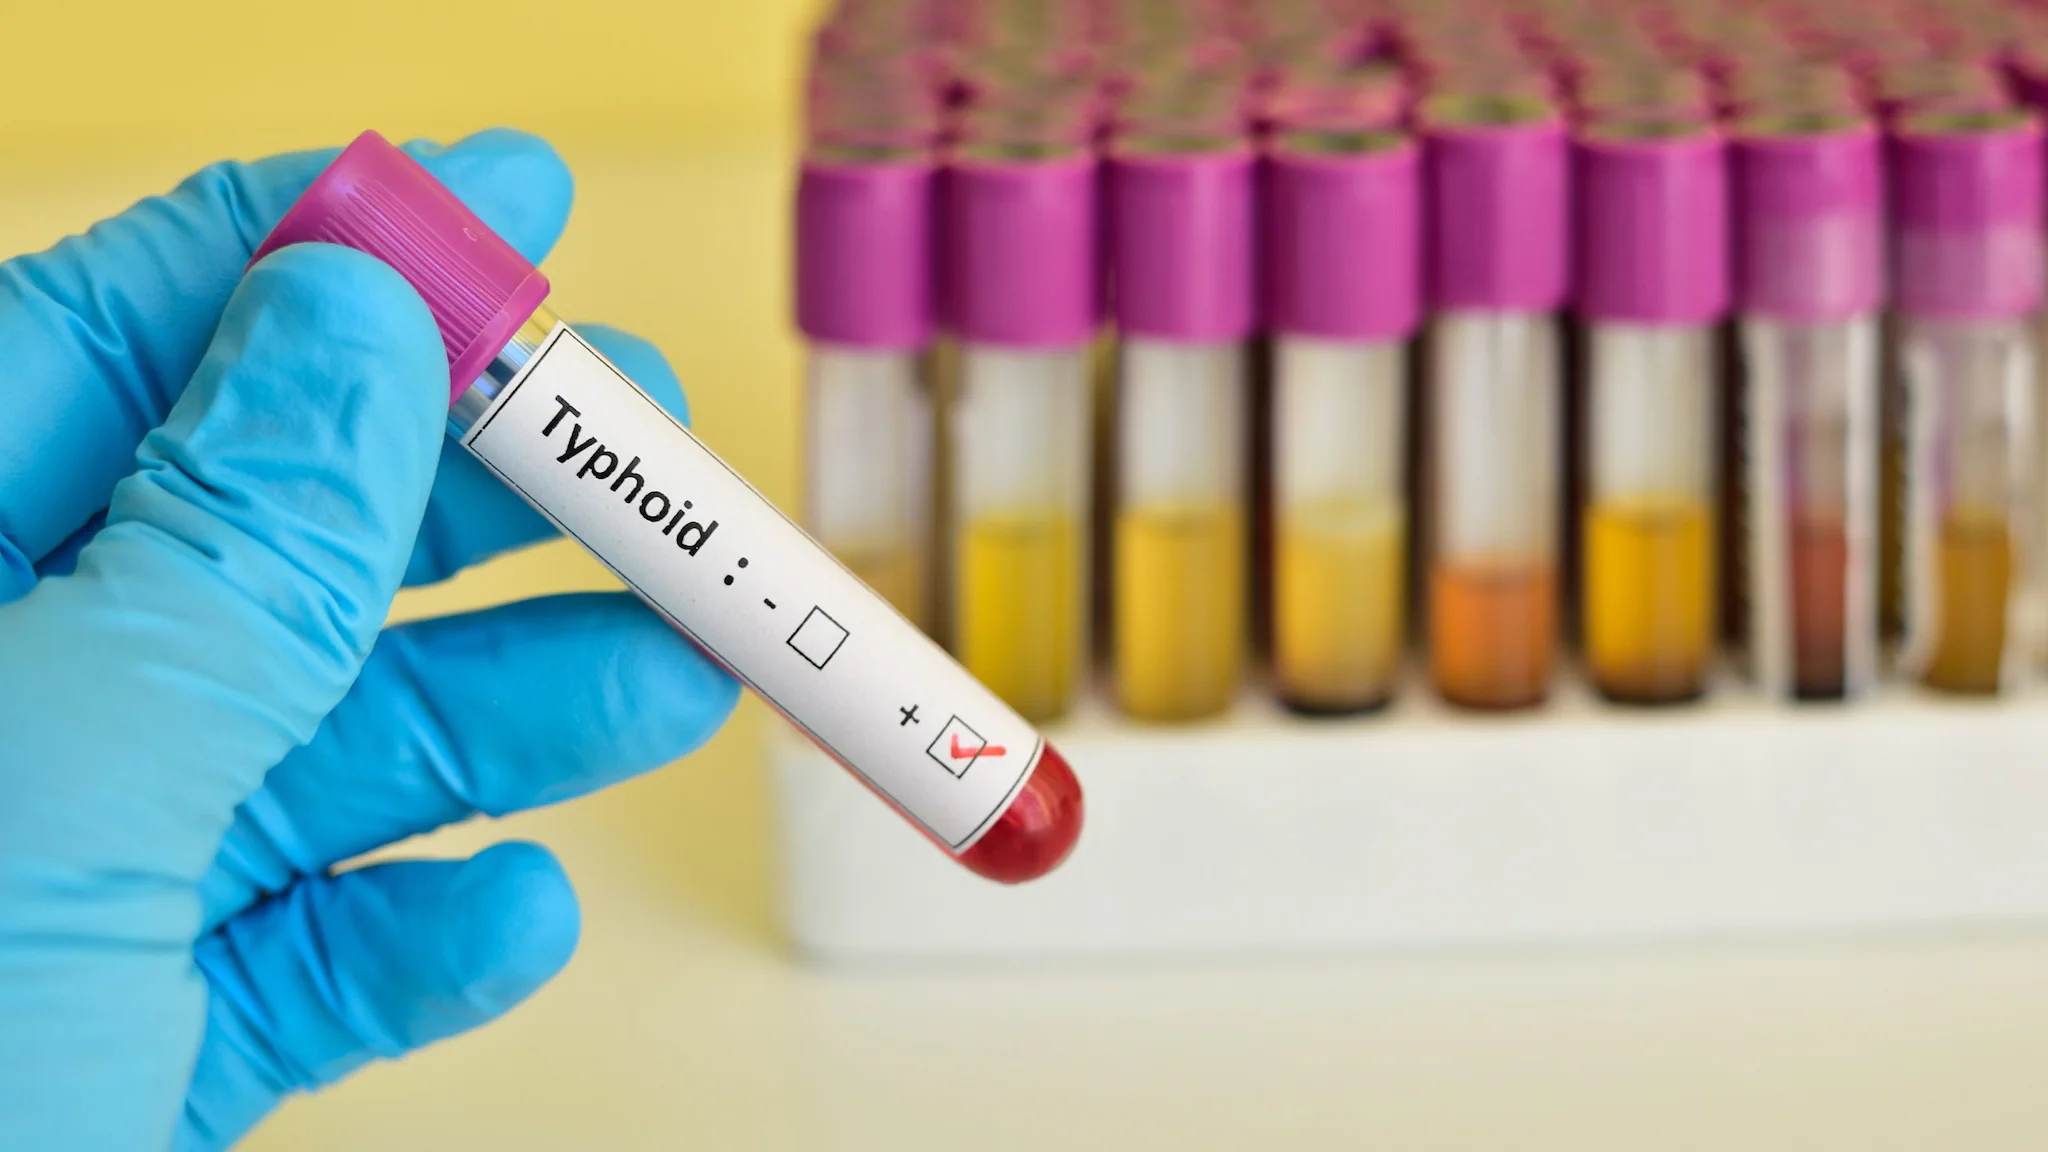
x=84 y=73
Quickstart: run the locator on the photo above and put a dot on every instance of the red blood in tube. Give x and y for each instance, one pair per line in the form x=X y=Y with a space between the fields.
x=1036 y=831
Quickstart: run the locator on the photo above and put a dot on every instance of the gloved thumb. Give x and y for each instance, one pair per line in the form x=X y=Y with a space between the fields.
x=245 y=569
x=371 y=964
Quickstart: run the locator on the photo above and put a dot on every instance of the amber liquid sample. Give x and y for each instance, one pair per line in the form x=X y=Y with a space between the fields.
x=1017 y=609
x=1493 y=632
x=1179 y=611
x=1820 y=595
x=894 y=571
x=1649 y=599
x=1338 y=590
x=1975 y=570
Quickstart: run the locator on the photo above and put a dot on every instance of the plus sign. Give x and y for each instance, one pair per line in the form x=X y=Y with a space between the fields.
x=909 y=716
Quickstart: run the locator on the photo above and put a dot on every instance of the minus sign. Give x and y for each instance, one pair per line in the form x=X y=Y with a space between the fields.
x=768 y=602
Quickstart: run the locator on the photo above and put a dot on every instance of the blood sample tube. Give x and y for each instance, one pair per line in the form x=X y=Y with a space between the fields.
x=1652 y=287
x=864 y=218
x=1020 y=297
x=1181 y=221
x=1496 y=171
x=1343 y=233
x=1967 y=204
x=570 y=433
x=1809 y=228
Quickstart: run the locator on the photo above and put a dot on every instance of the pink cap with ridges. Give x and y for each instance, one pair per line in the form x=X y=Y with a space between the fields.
x=1343 y=239
x=1966 y=210
x=864 y=249
x=1807 y=196
x=379 y=201
x=1652 y=230
x=1181 y=224
x=1497 y=177
x=1019 y=259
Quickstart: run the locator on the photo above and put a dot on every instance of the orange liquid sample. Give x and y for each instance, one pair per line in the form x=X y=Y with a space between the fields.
x=1820 y=586
x=1493 y=632
x=1649 y=605
x=1975 y=570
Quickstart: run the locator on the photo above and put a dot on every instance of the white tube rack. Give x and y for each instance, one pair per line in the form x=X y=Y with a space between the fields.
x=1424 y=827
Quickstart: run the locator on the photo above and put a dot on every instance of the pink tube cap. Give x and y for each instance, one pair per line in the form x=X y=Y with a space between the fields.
x=1497 y=176
x=1342 y=250
x=1808 y=215
x=1653 y=223
x=1180 y=224
x=864 y=248
x=379 y=201
x=1967 y=204
x=1019 y=248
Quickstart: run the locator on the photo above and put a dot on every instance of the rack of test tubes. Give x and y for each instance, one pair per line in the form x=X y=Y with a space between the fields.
x=1446 y=470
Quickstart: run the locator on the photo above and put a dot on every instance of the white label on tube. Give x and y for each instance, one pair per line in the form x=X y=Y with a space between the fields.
x=615 y=471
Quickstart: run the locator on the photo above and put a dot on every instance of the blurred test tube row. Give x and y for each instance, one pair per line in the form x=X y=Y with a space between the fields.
x=1156 y=342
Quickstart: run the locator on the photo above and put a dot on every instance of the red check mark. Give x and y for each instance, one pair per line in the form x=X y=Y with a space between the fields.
x=960 y=753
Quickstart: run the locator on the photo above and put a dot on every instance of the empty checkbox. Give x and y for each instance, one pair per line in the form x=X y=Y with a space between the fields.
x=818 y=638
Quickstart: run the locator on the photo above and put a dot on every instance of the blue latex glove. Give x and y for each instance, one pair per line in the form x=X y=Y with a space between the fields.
x=211 y=487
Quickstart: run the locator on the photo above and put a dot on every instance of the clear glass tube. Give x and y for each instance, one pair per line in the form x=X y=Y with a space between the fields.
x=1179 y=597
x=1810 y=446
x=1339 y=585
x=1494 y=442
x=1020 y=476
x=1649 y=590
x=2037 y=608
x=1891 y=480
x=1969 y=499
x=869 y=453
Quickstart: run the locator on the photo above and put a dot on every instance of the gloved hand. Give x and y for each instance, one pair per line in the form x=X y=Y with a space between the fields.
x=211 y=487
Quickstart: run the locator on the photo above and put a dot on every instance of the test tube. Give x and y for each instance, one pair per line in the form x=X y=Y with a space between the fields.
x=580 y=442
x=1021 y=298
x=1967 y=204
x=1181 y=221
x=1344 y=284
x=2028 y=69
x=1809 y=274
x=1496 y=172
x=1652 y=287
x=864 y=299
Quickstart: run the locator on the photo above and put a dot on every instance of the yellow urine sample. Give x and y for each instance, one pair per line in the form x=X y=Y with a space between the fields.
x=1179 y=610
x=894 y=570
x=1017 y=605
x=1649 y=598
x=1975 y=570
x=1338 y=589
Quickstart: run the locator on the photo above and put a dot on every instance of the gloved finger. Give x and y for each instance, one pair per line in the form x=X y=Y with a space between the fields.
x=103 y=331
x=368 y=965
x=243 y=574
x=492 y=712
x=63 y=559
x=474 y=516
